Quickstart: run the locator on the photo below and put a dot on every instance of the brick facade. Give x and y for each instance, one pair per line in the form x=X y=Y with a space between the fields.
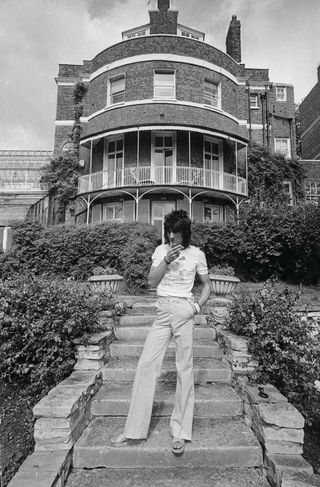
x=310 y=123
x=201 y=120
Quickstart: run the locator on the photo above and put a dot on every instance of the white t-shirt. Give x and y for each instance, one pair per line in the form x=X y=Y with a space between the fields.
x=179 y=277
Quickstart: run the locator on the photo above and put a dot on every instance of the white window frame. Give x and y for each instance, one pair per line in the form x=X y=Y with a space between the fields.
x=312 y=192
x=113 y=206
x=254 y=99
x=155 y=86
x=281 y=93
x=287 y=152
x=110 y=81
x=218 y=98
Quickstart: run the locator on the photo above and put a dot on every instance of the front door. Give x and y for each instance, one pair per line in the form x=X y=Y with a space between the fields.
x=159 y=210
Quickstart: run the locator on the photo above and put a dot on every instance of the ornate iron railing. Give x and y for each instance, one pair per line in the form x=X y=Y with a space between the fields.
x=160 y=175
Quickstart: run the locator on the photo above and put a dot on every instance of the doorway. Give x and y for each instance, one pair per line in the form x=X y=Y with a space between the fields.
x=159 y=210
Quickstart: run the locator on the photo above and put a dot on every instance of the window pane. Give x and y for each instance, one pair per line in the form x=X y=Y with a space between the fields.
x=117 y=98
x=210 y=93
x=207 y=146
x=168 y=142
x=108 y=212
x=112 y=146
x=215 y=148
x=119 y=144
x=116 y=85
x=164 y=78
x=164 y=92
x=164 y=84
x=118 y=212
x=159 y=142
x=168 y=154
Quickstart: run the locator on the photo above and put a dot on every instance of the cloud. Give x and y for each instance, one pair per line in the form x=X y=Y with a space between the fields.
x=101 y=8
x=37 y=35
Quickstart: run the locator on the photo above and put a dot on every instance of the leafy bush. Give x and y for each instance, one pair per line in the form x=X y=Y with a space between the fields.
x=136 y=258
x=285 y=346
x=39 y=319
x=270 y=241
x=219 y=242
x=225 y=270
x=73 y=251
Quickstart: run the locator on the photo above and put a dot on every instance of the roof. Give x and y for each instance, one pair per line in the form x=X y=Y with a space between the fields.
x=24 y=159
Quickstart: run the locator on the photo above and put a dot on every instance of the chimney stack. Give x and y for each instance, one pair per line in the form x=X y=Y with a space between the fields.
x=233 y=39
x=163 y=20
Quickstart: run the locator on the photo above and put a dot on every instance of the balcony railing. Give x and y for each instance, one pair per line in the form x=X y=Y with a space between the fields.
x=160 y=175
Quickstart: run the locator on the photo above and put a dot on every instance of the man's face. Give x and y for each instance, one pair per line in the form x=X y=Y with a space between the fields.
x=175 y=238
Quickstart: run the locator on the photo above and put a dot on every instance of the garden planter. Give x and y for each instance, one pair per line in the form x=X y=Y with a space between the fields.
x=222 y=285
x=106 y=282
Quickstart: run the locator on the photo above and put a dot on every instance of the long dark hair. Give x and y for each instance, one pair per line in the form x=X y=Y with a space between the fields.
x=178 y=222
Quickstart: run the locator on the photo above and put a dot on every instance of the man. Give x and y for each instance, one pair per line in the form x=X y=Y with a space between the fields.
x=173 y=270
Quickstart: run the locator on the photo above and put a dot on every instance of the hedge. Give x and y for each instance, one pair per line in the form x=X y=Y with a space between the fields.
x=269 y=241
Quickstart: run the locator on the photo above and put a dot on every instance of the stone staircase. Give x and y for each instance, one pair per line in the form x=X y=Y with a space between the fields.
x=224 y=451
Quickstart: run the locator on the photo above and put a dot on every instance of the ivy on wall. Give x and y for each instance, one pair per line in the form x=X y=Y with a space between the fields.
x=63 y=171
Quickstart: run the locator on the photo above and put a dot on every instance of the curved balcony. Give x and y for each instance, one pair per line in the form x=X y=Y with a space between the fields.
x=162 y=176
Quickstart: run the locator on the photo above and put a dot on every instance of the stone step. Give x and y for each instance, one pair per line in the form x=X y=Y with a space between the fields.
x=205 y=370
x=212 y=400
x=201 y=349
x=216 y=442
x=147 y=320
x=142 y=309
x=132 y=333
x=168 y=477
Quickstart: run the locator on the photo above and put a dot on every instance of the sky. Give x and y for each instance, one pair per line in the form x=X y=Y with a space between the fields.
x=37 y=35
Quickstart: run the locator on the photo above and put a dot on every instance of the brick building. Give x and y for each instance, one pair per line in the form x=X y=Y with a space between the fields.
x=310 y=141
x=167 y=122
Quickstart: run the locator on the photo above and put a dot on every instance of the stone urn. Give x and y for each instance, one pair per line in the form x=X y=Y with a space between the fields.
x=106 y=282
x=223 y=285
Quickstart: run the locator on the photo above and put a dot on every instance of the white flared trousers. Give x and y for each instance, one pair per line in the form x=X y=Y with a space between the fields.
x=174 y=319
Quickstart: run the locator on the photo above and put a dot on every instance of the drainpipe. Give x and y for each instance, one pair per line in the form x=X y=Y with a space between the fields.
x=237 y=167
x=249 y=114
x=262 y=98
x=267 y=120
x=90 y=166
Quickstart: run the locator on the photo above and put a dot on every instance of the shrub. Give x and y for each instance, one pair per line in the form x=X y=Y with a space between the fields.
x=218 y=242
x=270 y=240
x=284 y=345
x=224 y=270
x=39 y=319
x=136 y=258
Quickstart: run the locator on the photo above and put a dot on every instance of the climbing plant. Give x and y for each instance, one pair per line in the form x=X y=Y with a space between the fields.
x=63 y=171
x=266 y=173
